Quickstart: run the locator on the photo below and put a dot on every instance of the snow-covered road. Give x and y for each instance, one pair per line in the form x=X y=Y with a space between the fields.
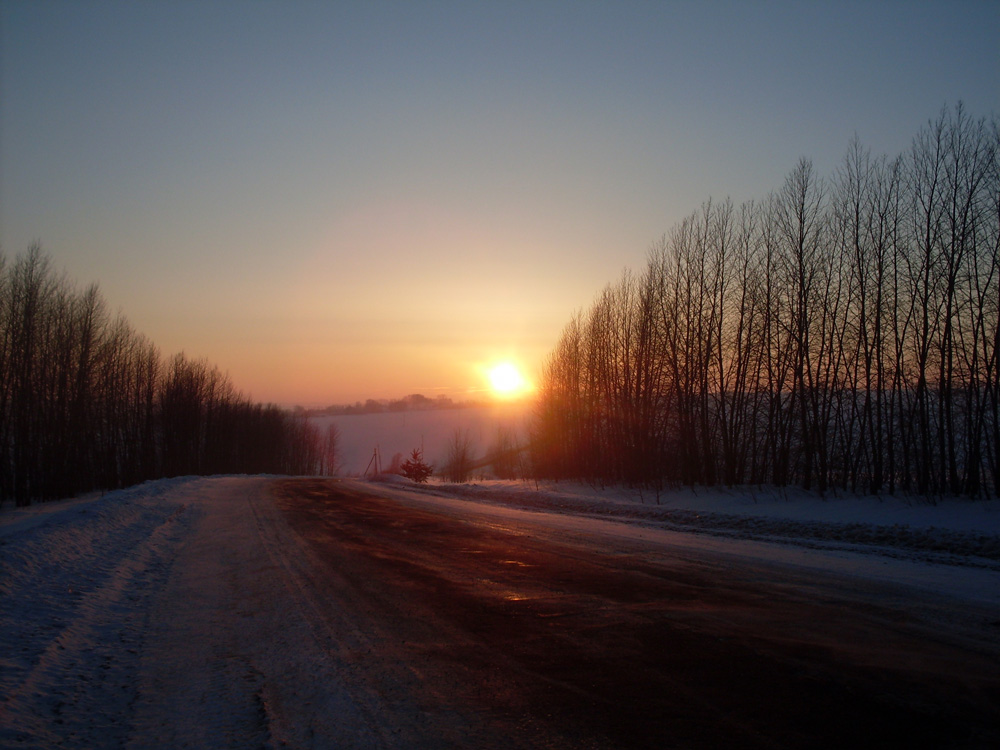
x=237 y=653
x=174 y=615
x=193 y=613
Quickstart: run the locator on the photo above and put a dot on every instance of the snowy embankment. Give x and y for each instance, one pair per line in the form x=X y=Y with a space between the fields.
x=952 y=532
x=75 y=582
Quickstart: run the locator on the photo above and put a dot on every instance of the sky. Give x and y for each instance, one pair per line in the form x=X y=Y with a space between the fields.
x=340 y=201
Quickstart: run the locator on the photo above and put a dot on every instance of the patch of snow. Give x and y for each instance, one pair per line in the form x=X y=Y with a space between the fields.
x=76 y=580
x=398 y=479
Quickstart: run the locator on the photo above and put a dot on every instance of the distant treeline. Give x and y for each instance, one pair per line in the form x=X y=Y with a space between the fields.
x=413 y=402
x=842 y=333
x=88 y=403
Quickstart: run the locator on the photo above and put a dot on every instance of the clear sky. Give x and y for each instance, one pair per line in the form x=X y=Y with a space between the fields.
x=337 y=201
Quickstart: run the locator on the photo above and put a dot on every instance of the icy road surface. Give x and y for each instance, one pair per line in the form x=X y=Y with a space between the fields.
x=259 y=612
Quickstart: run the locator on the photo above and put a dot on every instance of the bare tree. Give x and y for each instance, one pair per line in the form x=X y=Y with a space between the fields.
x=86 y=402
x=458 y=467
x=834 y=335
x=331 y=448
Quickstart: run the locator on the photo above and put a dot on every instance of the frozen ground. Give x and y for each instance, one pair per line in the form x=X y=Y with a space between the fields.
x=106 y=599
x=947 y=547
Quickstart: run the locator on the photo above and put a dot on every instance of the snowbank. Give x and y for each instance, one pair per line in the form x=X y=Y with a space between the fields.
x=955 y=532
x=75 y=580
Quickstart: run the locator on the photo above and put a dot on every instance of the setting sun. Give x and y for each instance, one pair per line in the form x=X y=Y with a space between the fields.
x=506 y=380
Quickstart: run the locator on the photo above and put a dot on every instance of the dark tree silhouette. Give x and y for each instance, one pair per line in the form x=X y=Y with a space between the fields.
x=842 y=333
x=87 y=403
x=414 y=467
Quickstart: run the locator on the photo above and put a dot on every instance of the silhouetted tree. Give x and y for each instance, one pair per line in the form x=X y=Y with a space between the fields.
x=505 y=455
x=414 y=467
x=836 y=334
x=458 y=466
x=86 y=402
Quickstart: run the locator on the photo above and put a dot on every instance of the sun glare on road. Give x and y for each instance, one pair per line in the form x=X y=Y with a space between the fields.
x=506 y=380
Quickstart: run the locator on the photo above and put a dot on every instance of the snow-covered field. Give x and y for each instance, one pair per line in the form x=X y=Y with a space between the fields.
x=430 y=430
x=103 y=597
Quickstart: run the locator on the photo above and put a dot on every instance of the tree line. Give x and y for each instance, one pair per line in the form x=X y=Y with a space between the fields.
x=412 y=402
x=842 y=333
x=88 y=403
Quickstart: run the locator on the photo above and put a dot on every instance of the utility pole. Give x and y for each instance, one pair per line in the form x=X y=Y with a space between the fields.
x=374 y=460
